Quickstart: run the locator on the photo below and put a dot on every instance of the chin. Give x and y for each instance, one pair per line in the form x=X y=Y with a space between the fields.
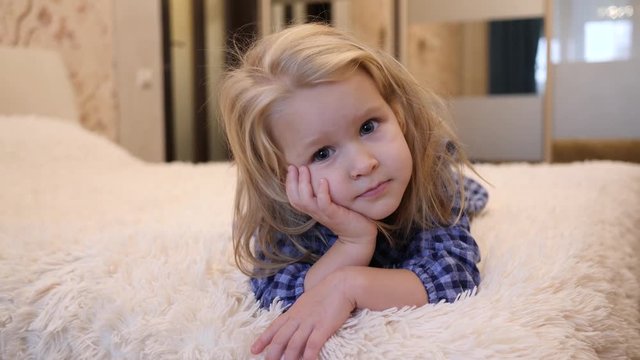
x=380 y=213
x=379 y=216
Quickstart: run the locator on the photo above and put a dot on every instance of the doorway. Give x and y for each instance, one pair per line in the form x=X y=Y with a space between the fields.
x=196 y=36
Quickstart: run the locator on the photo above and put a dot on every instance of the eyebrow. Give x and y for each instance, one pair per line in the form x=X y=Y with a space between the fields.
x=316 y=142
x=368 y=110
x=309 y=147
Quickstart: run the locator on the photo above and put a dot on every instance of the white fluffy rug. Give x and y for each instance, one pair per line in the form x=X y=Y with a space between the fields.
x=104 y=256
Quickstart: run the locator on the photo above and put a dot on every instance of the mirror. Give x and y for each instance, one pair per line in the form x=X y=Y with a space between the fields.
x=479 y=58
x=487 y=59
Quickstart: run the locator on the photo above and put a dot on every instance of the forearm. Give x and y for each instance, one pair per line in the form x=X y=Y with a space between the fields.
x=379 y=289
x=342 y=253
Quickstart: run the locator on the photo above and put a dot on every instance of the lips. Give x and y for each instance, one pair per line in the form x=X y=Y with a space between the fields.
x=375 y=190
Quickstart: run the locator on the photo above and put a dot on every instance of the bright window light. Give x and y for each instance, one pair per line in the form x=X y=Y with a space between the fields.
x=541 y=65
x=608 y=40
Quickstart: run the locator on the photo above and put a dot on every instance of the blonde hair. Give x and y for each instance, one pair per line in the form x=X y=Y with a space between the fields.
x=304 y=56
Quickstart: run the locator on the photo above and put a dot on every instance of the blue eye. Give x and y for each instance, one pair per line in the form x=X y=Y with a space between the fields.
x=322 y=154
x=367 y=127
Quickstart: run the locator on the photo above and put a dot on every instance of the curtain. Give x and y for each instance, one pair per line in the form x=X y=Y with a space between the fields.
x=513 y=45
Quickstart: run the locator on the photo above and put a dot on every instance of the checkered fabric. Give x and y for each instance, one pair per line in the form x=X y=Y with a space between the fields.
x=443 y=258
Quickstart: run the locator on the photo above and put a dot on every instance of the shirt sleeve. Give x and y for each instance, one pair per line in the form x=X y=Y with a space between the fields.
x=476 y=197
x=445 y=259
x=287 y=284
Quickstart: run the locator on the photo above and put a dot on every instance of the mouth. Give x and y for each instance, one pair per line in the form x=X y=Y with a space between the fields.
x=375 y=190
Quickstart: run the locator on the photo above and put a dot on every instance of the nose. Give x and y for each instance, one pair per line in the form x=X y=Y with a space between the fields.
x=363 y=163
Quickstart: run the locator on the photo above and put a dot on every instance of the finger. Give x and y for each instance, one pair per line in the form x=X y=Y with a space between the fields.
x=292 y=185
x=265 y=338
x=297 y=343
x=281 y=340
x=314 y=344
x=324 y=198
x=304 y=185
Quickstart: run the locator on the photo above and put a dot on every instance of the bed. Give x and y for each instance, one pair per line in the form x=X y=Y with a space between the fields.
x=103 y=255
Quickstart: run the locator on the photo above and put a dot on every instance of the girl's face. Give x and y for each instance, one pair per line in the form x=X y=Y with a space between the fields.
x=346 y=133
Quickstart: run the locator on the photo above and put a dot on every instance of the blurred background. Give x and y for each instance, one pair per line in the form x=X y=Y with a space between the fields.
x=527 y=80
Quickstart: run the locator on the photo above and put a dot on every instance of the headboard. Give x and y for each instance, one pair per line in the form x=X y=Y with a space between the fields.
x=35 y=81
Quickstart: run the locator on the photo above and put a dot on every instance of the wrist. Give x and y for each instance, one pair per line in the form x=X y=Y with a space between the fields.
x=369 y=239
x=379 y=289
x=357 y=253
x=357 y=233
x=348 y=281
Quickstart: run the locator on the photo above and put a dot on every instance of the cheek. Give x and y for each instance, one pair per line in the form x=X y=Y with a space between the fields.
x=334 y=182
x=400 y=159
x=403 y=148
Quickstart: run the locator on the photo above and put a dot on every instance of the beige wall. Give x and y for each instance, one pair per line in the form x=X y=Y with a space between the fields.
x=82 y=32
x=372 y=22
x=139 y=77
x=117 y=84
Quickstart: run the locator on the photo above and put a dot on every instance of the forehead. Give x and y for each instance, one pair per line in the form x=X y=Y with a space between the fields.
x=316 y=116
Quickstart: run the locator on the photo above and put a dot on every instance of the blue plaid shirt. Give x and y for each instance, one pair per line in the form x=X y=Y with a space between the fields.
x=444 y=259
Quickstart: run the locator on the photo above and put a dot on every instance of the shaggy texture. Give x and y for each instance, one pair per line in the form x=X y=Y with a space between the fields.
x=104 y=256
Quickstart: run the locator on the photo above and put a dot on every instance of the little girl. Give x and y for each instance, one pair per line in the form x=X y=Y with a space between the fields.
x=350 y=190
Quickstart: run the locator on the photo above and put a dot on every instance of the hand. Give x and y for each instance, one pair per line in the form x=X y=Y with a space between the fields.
x=307 y=325
x=347 y=224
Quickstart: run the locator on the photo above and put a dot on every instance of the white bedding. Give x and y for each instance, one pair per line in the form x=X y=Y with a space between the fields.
x=104 y=256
